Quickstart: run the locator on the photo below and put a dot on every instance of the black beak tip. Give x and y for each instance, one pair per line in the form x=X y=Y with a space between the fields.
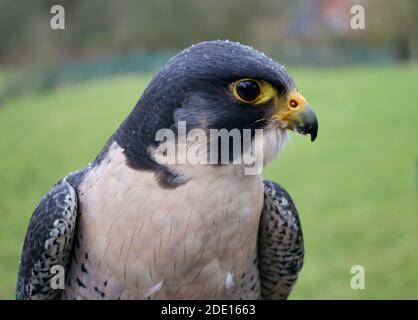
x=313 y=136
x=313 y=130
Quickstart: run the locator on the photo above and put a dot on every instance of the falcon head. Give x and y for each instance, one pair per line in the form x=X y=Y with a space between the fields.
x=216 y=85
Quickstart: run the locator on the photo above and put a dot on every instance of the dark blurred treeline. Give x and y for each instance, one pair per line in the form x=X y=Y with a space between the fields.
x=95 y=28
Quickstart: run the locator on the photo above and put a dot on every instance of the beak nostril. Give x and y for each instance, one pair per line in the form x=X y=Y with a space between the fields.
x=293 y=103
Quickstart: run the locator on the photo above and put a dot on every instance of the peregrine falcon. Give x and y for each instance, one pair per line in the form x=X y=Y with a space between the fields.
x=131 y=227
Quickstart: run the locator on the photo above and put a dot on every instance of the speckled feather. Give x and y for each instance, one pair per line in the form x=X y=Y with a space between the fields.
x=280 y=243
x=48 y=242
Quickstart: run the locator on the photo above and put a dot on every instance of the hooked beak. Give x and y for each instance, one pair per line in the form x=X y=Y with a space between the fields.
x=297 y=115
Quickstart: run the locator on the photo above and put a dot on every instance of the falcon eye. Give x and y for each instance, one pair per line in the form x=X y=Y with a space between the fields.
x=253 y=91
x=247 y=90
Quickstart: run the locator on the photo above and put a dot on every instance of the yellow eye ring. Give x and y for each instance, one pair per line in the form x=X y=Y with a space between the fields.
x=252 y=91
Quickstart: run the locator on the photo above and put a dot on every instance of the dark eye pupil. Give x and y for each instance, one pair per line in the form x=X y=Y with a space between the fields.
x=248 y=90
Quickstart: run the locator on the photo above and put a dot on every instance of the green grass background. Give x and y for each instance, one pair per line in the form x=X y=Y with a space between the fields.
x=355 y=187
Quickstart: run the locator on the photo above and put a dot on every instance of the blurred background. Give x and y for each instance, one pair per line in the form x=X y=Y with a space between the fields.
x=63 y=93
